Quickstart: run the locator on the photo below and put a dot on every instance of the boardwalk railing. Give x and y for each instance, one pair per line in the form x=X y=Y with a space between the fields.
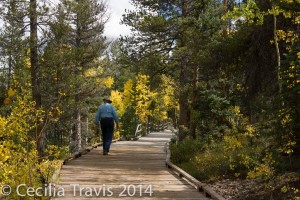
x=138 y=130
x=150 y=127
x=82 y=152
x=74 y=156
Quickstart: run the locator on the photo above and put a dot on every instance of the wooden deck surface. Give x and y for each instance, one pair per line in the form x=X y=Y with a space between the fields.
x=132 y=170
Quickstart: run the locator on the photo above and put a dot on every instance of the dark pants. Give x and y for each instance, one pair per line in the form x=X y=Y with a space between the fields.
x=107 y=126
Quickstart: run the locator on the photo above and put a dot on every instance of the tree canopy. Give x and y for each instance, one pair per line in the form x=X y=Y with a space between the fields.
x=225 y=74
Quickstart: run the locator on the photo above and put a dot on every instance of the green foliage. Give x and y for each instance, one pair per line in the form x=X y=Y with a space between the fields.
x=232 y=79
x=74 y=77
x=129 y=123
x=248 y=12
x=214 y=112
x=210 y=164
x=185 y=150
x=199 y=159
x=240 y=153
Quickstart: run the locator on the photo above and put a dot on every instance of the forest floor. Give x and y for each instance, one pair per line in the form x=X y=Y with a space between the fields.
x=285 y=187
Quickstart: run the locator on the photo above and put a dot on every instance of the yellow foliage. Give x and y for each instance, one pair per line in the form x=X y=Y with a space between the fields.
x=18 y=156
x=4 y=154
x=143 y=97
x=108 y=82
x=265 y=170
x=147 y=103
x=53 y=151
x=116 y=135
x=128 y=92
x=118 y=102
x=90 y=73
x=168 y=92
x=237 y=146
x=297 y=20
x=281 y=34
x=7 y=101
x=47 y=168
x=11 y=92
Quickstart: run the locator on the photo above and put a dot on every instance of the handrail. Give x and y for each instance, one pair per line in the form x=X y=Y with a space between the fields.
x=82 y=152
x=157 y=126
x=200 y=186
x=138 y=130
x=148 y=125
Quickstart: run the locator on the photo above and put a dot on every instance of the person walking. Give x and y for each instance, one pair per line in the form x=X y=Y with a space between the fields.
x=107 y=115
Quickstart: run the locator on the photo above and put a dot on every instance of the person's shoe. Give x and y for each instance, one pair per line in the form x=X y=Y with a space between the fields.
x=105 y=152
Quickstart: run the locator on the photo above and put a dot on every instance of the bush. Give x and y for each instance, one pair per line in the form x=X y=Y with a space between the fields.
x=238 y=154
x=210 y=165
x=19 y=160
x=199 y=159
x=183 y=152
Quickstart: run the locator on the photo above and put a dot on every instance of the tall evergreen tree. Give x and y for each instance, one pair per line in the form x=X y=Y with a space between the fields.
x=171 y=32
x=12 y=42
x=87 y=20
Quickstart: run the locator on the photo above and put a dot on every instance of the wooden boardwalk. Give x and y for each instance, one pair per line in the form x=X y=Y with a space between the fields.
x=132 y=170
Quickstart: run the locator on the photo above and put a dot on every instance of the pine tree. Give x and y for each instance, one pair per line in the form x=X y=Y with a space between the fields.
x=12 y=43
x=169 y=37
x=87 y=19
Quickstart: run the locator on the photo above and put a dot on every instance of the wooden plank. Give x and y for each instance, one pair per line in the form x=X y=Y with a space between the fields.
x=115 y=172
x=140 y=162
x=130 y=198
x=123 y=191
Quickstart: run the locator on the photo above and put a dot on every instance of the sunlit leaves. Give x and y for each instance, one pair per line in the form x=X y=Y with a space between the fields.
x=11 y=92
x=128 y=92
x=265 y=169
x=107 y=82
x=168 y=92
x=19 y=163
x=47 y=168
x=143 y=97
x=246 y=13
x=117 y=98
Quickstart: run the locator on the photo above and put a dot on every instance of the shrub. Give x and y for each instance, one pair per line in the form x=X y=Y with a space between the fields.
x=184 y=151
x=19 y=161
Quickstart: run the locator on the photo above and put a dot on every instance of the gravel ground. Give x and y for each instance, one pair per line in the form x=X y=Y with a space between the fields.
x=250 y=189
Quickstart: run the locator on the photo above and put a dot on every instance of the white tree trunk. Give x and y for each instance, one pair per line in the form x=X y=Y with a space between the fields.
x=78 y=131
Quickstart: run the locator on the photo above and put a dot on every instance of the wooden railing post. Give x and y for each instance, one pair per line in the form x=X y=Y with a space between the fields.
x=138 y=130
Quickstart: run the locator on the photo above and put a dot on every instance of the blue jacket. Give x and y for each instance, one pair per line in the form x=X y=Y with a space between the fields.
x=106 y=110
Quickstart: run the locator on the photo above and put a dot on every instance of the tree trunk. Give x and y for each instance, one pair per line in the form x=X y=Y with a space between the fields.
x=225 y=2
x=34 y=54
x=36 y=94
x=9 y=69
x=78 y=130
x=183 y=121
x=193 y=100
x=277 y=51
x=77 y=97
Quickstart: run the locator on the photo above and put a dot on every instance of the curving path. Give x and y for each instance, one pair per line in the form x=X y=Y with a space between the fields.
x=132 y=170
